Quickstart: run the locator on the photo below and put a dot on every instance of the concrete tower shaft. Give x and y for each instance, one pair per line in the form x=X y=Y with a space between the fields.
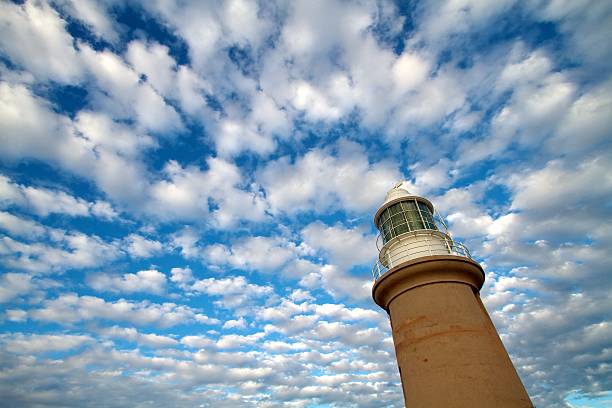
x=448 y=350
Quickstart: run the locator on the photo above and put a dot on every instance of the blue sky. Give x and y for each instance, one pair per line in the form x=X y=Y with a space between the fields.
x=187 y=192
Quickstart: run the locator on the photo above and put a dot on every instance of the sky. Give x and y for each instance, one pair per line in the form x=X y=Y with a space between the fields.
x=187 y=191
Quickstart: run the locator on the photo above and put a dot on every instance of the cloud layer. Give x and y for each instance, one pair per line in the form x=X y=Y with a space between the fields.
x=187 y=191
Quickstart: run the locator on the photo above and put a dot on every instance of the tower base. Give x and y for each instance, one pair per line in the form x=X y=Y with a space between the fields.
x=447 y=348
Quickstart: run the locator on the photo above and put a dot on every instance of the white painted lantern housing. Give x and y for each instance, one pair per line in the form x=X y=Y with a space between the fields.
x=408 y=230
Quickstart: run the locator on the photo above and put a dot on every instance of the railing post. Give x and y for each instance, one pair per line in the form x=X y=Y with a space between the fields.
x=448 y=246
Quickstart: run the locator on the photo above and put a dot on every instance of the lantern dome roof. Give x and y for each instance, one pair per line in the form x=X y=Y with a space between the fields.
x=397 y=191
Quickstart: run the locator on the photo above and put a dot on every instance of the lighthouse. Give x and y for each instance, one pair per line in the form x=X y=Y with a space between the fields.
x=448 y=351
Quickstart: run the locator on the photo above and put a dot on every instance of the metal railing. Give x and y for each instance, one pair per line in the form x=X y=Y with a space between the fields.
x=433 y=243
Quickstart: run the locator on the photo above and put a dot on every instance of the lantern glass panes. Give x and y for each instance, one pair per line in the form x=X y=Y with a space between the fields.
x=405 y=216
x=427 y=216
x=412 y=215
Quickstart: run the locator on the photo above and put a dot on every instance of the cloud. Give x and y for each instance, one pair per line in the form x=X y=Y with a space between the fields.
x=558 y=186
x=16 y=315
x=182 y=277
x=19 y=226
x=254 y=253
x=13 y=285
x=70 y=308
x=339 y=283
x=33 y=35
x=123 y=95
x=145 y=339
x=586 y=124
x=28 y=125
x=340 y=312
x=172 y=81
x=187 y=240
x=65 y=250
x=581 y=24
x=30 y=129
x=140 y=247
x=320 y=181
x=43 y=343
x=44 y=201
x=235 y=324
x=189 y=193
x=255 y=140
x=236 y=292
x=540 y=98
x=440 y=22
x=345 y=247
x=148 y=281
x=94 y=16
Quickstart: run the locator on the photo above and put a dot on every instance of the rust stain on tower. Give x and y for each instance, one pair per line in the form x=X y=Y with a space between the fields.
x=447 y=348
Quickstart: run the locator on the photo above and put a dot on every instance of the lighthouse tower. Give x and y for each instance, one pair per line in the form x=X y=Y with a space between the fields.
x=448 y=351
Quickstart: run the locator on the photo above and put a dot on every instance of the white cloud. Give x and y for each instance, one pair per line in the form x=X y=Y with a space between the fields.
x=9 y=192
x=33 y=35
x=283 y=311
x=140 y=247
x=188 y=193
x=124 y=96
x=102 y=132
x=94 y=15
x=233 y=137
x=187 y=240
x=230 y=286
x=103 y=209
x=43 y=343
x=148 y=281
x=243 y=23
x=236 y=292
x=145 y=339
x=344 y=247
x=540 y=98
x=300 y=294
x=321 y=181
x=153 y=61
x=557 y=186
x=235 y=324
x=20 y=227
x=339 y=283
x=293 y=326
x=583 y=25
x=70 y=308
x=173 y=81
x=443 y=19
x=232 y=341
x=182 y=277
x=197 y=342
x=44 y=201
x=587 y=122
x=341 y=312
x=67 y=250
x=429 y=95
x=409 y=71
x=196 y=24
x=346 y=333
x=13 y=285
x=253 y=253
x=30 y=129
x=16 y=315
